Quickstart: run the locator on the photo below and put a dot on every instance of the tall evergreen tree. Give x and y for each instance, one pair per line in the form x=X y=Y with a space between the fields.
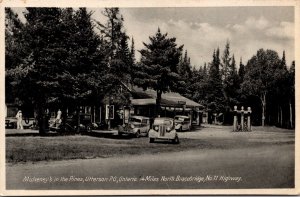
x=64 y=62
x=226 y=72
x=118 y=54
x=132 y=51
x=113 y=29
x=185 y=67
x=241 y=71
x=232 y=86
x=37 y=69
x=215 y=97
x=226 y=60
x=291 y=100
x=184 y=70
x=15 y=50
x=283 y=62
x=158 y=67
x=230 y=82
x=198 y=85
x=279 y=95
x=132 y=61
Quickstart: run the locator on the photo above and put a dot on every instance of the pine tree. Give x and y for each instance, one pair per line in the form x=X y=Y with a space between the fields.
x=15 y=50
x=118 y=54
x=63 y=64
x=122 y=63
x=113 y=29
x=241 y=71
x=232 y=87
x=291 y=100
x=132 y=51
x=158 y=67
x=225 y=71
x=283 y=62
x=185 y=67
x=184 y=70
x=132 y=61
x=199 y=85
x=215 y=97
x=205 y=69
x=118 y=57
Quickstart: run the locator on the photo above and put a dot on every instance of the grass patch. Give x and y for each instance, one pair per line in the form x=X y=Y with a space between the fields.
x=33 y=149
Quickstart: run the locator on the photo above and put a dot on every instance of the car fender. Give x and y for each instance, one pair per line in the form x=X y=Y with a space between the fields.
x=152 y=133
x=172 y=134
x=134 y=130
x=120 y=128
x=178 y=126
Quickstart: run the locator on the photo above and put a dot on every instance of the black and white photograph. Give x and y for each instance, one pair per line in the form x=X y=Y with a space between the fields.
x=155 y=99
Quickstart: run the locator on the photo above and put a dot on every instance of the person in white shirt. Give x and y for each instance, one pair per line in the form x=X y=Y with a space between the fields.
x=58 y=118
x=19 y=117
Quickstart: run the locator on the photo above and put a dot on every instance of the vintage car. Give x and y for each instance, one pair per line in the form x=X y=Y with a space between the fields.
x=71 y=122
x=182 y=123
x=11 y=123
x=137 y=126
x=163 y=129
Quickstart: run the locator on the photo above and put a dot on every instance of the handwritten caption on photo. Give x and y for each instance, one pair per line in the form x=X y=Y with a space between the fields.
x=122 y=179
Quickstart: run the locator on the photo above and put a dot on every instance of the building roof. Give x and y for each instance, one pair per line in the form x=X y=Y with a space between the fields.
x=169 y=99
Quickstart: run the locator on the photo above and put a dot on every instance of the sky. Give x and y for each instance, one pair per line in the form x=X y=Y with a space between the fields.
x=203 y=29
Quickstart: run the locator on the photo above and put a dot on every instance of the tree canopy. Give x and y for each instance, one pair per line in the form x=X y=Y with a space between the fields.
x=158 y=68
x=261 y=76
x=64 y=56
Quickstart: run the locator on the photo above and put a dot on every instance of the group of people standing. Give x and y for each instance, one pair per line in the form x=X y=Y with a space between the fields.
x=19 y=117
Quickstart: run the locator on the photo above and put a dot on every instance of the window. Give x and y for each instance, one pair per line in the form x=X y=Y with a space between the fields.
x=167 y=122
x=135 y=120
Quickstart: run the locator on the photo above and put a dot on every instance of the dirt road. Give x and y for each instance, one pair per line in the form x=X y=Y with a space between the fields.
x=269 y=165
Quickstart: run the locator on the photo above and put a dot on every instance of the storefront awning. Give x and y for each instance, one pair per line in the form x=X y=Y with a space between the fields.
x=143 y=101
x=169 y=99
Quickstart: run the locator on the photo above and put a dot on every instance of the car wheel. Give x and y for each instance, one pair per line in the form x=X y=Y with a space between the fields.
x=137 y=134
x=151 y=140
x=89 y=128
x=176 y=140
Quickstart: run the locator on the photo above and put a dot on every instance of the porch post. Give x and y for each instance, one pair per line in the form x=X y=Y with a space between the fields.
x=249 y=119
x=235 y=118
x=242 y=118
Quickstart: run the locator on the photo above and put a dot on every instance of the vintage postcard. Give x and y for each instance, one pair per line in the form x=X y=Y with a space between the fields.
x=149 y=98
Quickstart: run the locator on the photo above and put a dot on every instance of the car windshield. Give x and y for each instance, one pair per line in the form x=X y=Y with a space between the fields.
x=179 y=118
x=135 y=120
x=162 y=121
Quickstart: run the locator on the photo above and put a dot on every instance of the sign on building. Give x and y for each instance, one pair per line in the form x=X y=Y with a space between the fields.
x=109 y=112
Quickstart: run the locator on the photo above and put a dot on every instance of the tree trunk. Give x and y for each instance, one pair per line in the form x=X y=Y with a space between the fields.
x=64 y=118
x=78 y=119
x=158 y=101
x=280 y=117
x=226 y=116
x=263 y=101
x=43 y=118
x=291 y=114
x=40 y=119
